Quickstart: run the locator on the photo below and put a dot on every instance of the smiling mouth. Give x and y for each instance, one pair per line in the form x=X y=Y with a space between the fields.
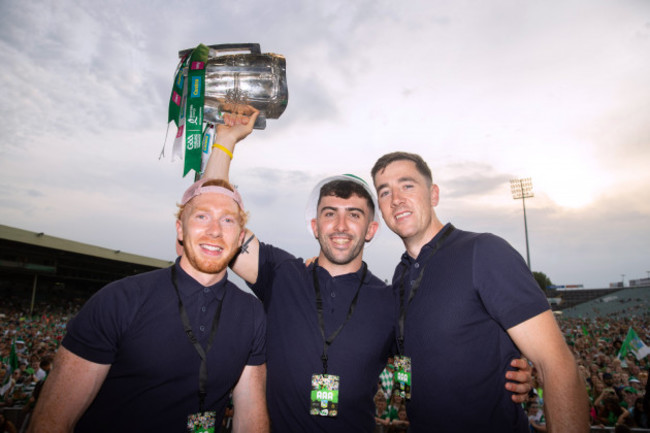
x=341 y=240
x=211 y=248
x=402 y=215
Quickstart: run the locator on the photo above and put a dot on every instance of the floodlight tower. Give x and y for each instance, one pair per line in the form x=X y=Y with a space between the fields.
x=523 y=189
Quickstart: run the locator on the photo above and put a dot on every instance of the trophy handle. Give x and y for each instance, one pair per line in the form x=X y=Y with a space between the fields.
x=252 y=47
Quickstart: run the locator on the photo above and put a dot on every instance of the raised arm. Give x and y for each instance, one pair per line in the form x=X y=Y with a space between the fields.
x=236 y=128
x=69 y=389
x=249 y=401
x=566 y=405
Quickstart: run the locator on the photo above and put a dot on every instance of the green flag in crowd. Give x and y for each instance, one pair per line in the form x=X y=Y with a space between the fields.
x=12 y=363
x=633 y=344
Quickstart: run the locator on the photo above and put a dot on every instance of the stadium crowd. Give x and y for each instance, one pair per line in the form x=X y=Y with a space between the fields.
x=617 y=386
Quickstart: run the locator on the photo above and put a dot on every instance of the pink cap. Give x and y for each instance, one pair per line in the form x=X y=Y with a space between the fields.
x=197 y=188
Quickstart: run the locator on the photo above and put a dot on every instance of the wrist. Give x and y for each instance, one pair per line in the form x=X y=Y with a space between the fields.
x=219 y=147
x=226 y=141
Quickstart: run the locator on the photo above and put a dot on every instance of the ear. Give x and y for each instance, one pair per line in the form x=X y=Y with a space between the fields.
x=241 y=236
x=372 y=230
x=435 y=195
x=179 y=230
x=179 y=238
x=314 y=227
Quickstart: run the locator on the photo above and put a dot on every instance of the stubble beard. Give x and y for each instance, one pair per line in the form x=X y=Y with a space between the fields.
x=208 y=266
x=329 y=253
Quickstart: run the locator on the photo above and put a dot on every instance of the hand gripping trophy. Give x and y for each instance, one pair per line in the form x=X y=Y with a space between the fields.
x=215 y=79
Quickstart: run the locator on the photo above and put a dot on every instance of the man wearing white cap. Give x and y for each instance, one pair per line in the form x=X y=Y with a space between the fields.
x=161 y=351
x=330 y=323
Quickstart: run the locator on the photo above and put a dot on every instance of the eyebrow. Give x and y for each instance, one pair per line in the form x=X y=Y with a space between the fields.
x=207 y=209
x=399 y=180
x=348 y=209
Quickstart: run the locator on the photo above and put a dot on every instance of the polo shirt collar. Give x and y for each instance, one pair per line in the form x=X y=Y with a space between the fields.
x=188 y=286
x=424 y=252
x=322 y=272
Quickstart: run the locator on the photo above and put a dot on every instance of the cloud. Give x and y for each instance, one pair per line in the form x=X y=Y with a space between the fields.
x=483 y=93
x=467 y=179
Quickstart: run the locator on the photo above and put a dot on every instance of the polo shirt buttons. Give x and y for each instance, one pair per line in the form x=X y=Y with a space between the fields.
x=333 y=295
x=416 y=266
x=202 y=328
x=206 y=290
x=203 y=308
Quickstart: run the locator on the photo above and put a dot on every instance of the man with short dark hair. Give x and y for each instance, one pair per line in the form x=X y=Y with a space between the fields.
x=330 y=323
x=161 y=351
x=469 y=304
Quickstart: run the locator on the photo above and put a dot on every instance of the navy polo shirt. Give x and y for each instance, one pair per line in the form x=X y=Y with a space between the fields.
x=358 y=354
x=152 y=385
x=474 y=288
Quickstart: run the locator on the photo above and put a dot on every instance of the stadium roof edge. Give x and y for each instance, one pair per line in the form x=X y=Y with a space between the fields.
x=47 y=241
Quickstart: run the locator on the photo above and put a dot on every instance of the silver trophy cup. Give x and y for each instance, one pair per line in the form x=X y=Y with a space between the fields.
x=238 y=76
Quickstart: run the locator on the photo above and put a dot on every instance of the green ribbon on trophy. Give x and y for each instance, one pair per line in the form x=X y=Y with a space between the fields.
x=194 y=66
x=176 y=99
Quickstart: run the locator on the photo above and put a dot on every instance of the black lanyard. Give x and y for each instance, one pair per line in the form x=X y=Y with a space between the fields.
x=203 y=369
x=319 y=308
x=416 y=285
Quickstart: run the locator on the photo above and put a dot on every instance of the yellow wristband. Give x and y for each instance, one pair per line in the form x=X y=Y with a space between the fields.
x=218 y=146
